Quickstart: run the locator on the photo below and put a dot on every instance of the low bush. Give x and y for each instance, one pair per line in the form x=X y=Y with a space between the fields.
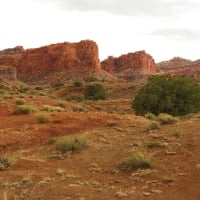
x=43 y=118
x=76 y=97
x=23 y=109
x=138 y=160
x=150 y=116
x=153 y=144
x=153 y=125
x=164 y=118
x=52 y=140
x=20 y=102
x=91 y=79
x=77 y=84
x=4 y=163
x=71 y=145
x=176 y=96
x=96 y=92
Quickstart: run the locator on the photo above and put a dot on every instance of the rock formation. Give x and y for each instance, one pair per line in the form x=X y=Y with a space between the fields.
x=130 y=66
x=56 y=62
x=7 y=72
x=179 y=66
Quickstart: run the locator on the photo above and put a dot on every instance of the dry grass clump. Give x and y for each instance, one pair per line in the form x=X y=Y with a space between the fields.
x=153 y=144
x=137 y=160
x=43 y=118
x=49 y=108
x=4 y=163
x=20 y=102
x=23 y=109
x=165 y=118
x=71 y=145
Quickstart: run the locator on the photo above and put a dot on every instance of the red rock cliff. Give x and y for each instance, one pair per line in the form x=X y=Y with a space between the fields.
x=129 y=65
x=57 y=61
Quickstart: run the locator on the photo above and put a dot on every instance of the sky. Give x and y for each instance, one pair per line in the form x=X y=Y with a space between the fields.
x=163 y=28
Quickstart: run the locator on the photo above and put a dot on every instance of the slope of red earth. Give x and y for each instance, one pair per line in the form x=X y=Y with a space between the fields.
x=112 y=132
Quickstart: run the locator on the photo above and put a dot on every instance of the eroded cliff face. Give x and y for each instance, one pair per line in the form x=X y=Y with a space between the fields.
x=8 y=72
x=131 y=65
x=56 y=62
x=179 y=66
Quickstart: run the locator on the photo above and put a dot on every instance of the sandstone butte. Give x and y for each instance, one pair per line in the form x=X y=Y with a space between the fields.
x=179 y=66
x=130 y=66
x=56 y=62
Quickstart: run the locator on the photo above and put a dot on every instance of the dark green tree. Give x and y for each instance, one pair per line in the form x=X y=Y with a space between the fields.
x=168 y=94
x=95 y=92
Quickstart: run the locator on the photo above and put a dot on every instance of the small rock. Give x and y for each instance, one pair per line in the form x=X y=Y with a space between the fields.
x=74 y=185
x=181 y=174
x=170 y=152
x=146 y=194
x=156 y=191
x=198 y=166
x=120 y=194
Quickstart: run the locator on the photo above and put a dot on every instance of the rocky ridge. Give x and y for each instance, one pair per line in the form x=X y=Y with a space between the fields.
x=179 y=66
x=54 y=62
x=130 y=66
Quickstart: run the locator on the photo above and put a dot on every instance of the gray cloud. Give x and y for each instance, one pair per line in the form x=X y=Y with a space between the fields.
x=153 y=8
x=178 y=33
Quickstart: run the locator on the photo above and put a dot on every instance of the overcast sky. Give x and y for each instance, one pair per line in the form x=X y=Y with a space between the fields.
x=163 y=28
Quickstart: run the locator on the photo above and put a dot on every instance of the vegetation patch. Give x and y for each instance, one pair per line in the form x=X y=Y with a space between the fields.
x=77 y=84
x=4 y=163
x=168 y=94
x=138 y=160
x=23 y=109
x=91 y=79
x=20 y=102
x=153 y=144
x=76 y=97
x=96 y=92
x=164 y=118
x=71 y=145
x=43 y=118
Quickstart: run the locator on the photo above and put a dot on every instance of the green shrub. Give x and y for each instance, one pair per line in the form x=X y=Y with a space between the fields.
x=4 y=163
x=51 y=140
x=167 y=94
x=23 y=89
x=76 y=97
x=153 y=125
x=77 y=84
x=138 y=160
x=150 y=116
x=39 y=88
x=91 y=79
x=23 y=109
x=20 y=102
x=96 y=92
x=164 y=118
x=71 y=145
x=42 y=118
x=153 y=144
x=57 y=85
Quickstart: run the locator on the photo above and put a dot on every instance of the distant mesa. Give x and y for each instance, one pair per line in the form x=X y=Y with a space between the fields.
x=130 y=66
x=179 y=66
x=15 y=50
x=71 y=61
x=61 y=62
